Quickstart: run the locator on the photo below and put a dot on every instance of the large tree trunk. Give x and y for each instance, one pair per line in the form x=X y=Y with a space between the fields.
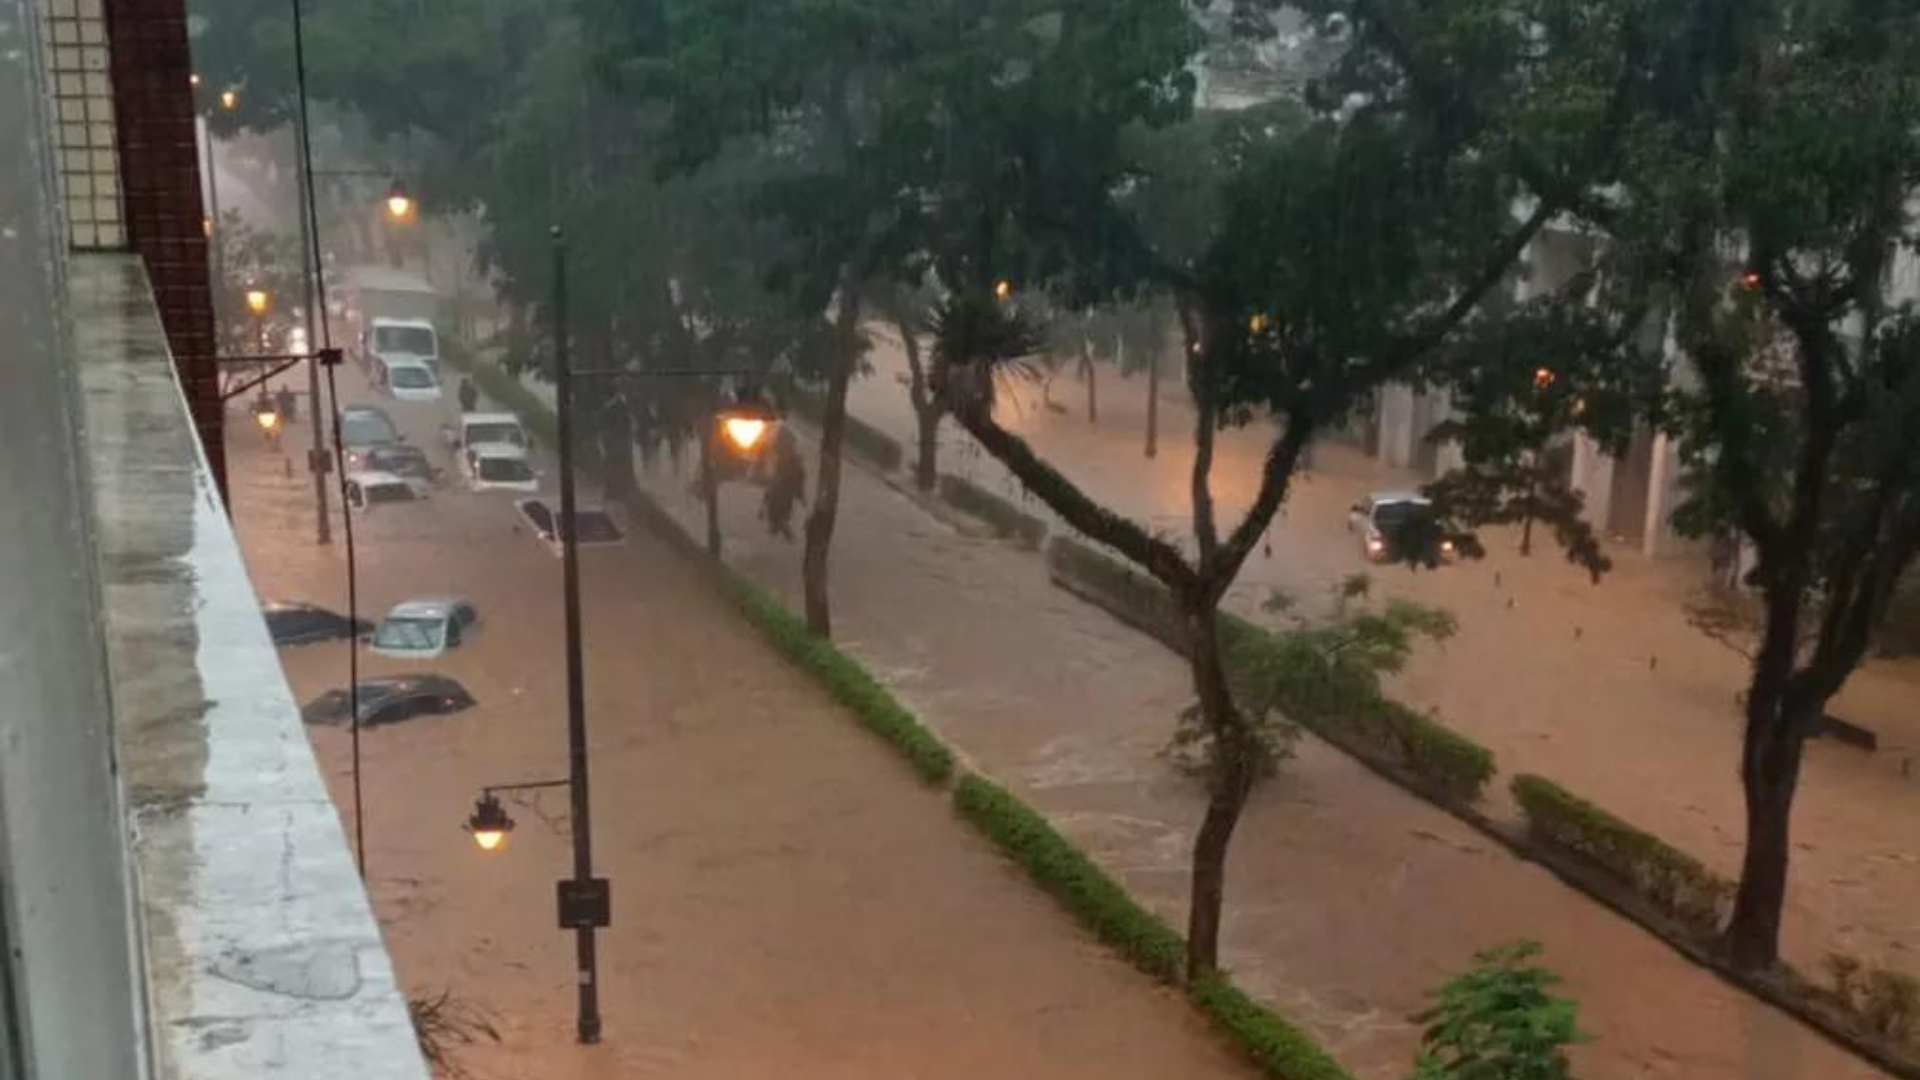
x=826 y=500
x=1769 y=774
x=1230 y=783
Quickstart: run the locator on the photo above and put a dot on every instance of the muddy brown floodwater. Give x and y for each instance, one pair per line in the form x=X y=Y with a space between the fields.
x=788 y=900
x=1347 y=899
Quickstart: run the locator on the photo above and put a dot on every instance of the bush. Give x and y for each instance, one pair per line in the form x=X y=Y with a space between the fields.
x=1072 y=878
x=1889 y=1002
x=1131 y=596
x=878 y=448
x=1290 y=671
x=1008 y=520
x=1279 y=1048
x=1499 y=1020
x=1675 y=881
x=845 y=679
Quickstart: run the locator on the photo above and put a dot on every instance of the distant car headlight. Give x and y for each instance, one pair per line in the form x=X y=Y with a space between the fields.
x=1375 y=545
x=1446 y=547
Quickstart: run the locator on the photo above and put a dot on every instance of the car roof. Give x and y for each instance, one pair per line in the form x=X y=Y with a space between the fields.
x=489 y=418
x=394 y=320
x=406 y=359
x=1398 y=497
x=365 y=410
x=290 y=605
x=374 y=477
x=394 y=450
x=498 y=450
x=425 y=607
x=415 y=682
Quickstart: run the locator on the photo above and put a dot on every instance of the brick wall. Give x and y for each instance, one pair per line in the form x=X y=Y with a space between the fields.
x=160 y=178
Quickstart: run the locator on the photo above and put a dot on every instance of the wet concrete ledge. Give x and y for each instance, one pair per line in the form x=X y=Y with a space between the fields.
x=262 y=957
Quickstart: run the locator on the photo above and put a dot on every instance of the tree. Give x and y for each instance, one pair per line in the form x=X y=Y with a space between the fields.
x=1760 y=234
x=1341 y=257
x=1499 y=1021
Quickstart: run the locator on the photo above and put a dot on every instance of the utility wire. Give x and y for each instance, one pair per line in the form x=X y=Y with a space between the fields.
x=316 y=268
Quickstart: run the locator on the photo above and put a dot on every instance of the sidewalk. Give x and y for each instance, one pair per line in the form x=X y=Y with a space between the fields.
x=788 y=900
x=1348 y=899
x=1557 y=676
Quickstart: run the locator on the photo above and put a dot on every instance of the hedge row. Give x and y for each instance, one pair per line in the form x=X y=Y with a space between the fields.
x=1066 y=872
x=1675 y=881
x=1008 y=520
x=1280 y=1049
x=845 y=679
x=880 y=449
x=1341 y=705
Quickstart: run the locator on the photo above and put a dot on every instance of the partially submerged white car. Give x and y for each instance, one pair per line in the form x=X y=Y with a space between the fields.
x=410 y=378
x=425 y=628
x=366 y=490
x=500 y=467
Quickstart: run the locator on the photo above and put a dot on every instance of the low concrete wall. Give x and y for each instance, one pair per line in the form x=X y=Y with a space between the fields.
x=263 y=960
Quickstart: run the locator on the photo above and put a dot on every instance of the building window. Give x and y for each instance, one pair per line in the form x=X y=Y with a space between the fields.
x=85 y=138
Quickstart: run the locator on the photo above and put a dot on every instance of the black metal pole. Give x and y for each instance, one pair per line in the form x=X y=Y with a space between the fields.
x=589 y=1017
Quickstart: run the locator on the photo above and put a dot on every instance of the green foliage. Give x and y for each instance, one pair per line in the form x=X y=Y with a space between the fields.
x=1499 y=1021
x=1676 y=882
x=1007 y=520
x=1072 y=878
x=1890 y=1002
x=878 y=448
x=844 y=678
x=1843 y=970
x=1281 y=1050
x=1325 y=679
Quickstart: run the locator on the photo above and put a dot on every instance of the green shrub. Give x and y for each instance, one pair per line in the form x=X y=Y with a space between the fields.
x=1280 y=1049
x=876 y=447
x=1007 y=519
x=1889 y=1001
x=1844 y=970
x=1132 y=596
x=844 y=678
x=1291 y=672
x=1071 y=877
x=1499 y=1021
x=1675 y=881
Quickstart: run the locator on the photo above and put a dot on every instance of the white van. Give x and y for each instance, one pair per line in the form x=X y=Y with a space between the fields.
x=389 y=338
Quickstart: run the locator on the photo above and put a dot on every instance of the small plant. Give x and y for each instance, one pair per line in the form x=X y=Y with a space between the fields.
x=1889 y=1001
x=443 y=1023
x=1499 y=1021
x=1351 y=588
x=1843 y=970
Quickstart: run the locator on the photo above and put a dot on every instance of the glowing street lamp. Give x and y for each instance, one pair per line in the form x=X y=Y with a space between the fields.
x=230 y=99
x=489 y=824
x=399 y=203
x=259 y=301
x=1543 y=377
x=193 y=79
x=746 y=424
x=1003 y=290
x=268 y=418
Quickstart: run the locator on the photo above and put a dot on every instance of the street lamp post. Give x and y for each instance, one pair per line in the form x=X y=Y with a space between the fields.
x=586 y=962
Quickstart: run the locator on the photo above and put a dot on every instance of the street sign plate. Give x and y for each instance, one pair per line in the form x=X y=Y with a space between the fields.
x=585 y=904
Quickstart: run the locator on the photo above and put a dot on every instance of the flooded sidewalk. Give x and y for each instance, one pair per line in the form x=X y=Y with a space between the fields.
x=1348 y=899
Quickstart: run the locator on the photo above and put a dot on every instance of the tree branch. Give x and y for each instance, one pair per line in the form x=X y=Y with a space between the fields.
x=1159 y=558
x=1205 y=422
x=1276 y=477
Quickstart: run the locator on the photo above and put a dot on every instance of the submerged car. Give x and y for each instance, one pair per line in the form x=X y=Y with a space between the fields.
x=1398 y=526
x=291 y=622
x=425 y=628
x=596 y=526
x=363 y=427
x=410 y=378
x=500 y=467
x=407 y=462
x=366 y=490
x=390 y=699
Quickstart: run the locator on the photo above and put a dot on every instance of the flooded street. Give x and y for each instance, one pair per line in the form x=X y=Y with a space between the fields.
x=787 y=898
x=1347 y=899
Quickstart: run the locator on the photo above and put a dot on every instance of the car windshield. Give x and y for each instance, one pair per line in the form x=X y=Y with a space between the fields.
x=505 y=434
x=504 y=470
x=1390 y=515
x=410 y=633
x=417 y=340
x=408 y=377
x=388 y=493
x=398 y=461
x=366 y=429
